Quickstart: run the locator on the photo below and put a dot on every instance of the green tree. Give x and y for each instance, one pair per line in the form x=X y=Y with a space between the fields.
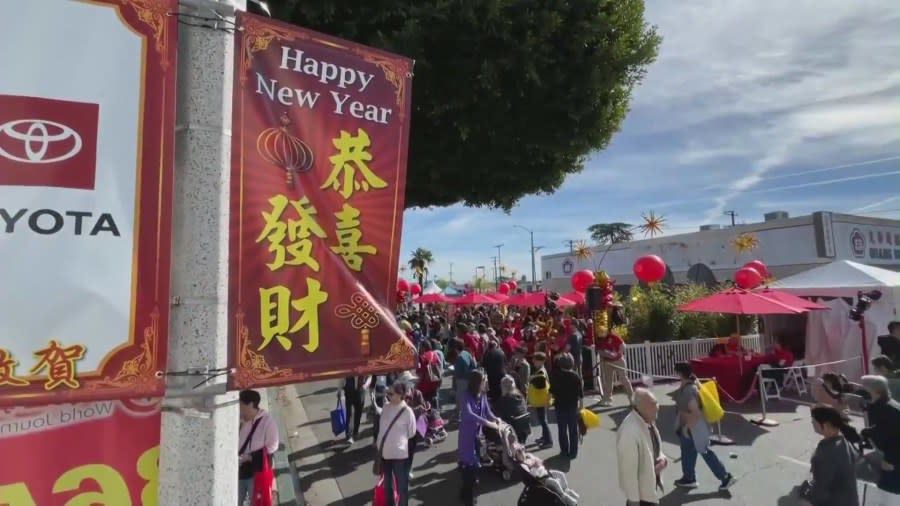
x=611 y=233
x=419 y=261
x=513 y=95
x=442 y=283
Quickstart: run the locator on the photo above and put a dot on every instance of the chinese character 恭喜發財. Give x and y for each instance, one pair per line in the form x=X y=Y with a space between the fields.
x=350 y=162
x=348 y=236
x=295 y=232
x=276 y=305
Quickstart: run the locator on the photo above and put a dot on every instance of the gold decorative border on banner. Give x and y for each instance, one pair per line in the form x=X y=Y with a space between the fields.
x=154 y=13
x=401 y=351
x=257 y=37
x=396 y=72
x=252 y=367
x=137 y=372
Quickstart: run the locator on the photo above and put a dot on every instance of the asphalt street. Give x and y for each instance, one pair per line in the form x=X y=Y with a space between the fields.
x=767 y=462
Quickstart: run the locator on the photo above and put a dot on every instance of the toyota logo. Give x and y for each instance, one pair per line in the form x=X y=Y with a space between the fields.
x=36 y=137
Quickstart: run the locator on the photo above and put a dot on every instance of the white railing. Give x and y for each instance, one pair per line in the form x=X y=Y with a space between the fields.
x=659 y=359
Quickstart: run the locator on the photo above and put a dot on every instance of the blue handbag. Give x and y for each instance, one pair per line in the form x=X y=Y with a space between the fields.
x=338 y=418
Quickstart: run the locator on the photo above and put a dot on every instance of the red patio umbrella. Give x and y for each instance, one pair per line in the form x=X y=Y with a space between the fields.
x=473 y=298
x=429 y=298
x=789 y=299
x=739 y=301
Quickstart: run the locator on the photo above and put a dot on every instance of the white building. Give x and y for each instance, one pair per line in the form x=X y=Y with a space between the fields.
x=786 y=245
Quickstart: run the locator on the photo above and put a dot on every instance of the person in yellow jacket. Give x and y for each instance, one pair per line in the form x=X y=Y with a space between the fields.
x=539 y=397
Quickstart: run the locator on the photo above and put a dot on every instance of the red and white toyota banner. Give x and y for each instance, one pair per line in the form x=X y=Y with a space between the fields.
x=87 y=94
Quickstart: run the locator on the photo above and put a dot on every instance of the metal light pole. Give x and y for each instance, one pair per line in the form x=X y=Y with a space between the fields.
x=533 y=269
x=499 y=264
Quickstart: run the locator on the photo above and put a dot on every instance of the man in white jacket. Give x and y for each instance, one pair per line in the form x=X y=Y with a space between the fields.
x=640 y=456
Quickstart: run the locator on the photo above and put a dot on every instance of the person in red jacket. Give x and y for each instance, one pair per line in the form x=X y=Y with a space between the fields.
x=429 y=373
x=508 y=343
x=473 y=342
x=611 y=349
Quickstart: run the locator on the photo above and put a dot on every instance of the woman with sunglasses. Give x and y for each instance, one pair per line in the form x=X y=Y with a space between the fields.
x=396 y=427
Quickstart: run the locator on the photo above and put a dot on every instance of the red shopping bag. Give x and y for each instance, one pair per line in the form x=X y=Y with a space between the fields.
x=262 y=483
x=379 y=499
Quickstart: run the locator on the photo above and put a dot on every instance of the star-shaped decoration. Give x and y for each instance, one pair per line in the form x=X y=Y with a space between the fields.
x=745 y=242
x=582 y=250
x=653 y=224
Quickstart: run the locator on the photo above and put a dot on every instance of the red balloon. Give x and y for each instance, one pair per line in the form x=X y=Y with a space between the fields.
x=503 y=288
x=512 y=285
x=747 y=278
x=582 y=279
x=649 y=268
x=759 y=267
x=402 y=285
x=415 y=289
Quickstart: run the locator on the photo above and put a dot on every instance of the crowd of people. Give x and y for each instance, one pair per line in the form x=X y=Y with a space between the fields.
x=510 y=370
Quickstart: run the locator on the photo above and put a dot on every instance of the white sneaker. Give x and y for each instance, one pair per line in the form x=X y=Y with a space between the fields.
x=410 y=475
x=349 y=440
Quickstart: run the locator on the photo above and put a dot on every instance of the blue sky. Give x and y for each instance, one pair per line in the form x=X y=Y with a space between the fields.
x=752 y=106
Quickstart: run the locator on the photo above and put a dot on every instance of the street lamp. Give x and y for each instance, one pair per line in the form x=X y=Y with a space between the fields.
x=533 y=269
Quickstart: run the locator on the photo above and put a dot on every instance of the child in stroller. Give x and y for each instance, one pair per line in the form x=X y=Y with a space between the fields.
x=435 y=433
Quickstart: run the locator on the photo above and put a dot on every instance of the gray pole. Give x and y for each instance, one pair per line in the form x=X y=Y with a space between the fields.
x=203 y=449
x=533 y=270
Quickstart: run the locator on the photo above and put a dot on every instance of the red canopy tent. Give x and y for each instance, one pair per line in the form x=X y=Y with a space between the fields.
x=473 y=298
x=535 y=299
x=576 y=297
x=429 y=298
x=499 y=297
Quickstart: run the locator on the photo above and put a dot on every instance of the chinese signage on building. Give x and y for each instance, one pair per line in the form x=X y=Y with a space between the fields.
x=85 y=198
x=320 y=135
x=101 y=452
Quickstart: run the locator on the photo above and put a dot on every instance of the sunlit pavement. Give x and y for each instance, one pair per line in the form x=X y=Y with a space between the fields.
x=767 y=462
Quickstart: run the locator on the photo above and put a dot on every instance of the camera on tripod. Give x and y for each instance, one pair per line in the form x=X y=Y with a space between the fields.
x=864 y=300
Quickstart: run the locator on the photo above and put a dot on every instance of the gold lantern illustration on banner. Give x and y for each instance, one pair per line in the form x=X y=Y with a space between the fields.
x=599 y=298
x=279 y=147
x=363 y=316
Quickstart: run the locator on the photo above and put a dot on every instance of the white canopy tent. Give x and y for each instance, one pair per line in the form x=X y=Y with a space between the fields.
x=831 y=335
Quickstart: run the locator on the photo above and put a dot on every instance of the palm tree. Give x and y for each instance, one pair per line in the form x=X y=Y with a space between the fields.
x=611 y=233
x=419 y=261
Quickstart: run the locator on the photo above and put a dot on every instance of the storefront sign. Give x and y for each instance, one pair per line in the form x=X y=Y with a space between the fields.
x=86 y=136
x=874 y=244
x=320 y=135
x=102 y=452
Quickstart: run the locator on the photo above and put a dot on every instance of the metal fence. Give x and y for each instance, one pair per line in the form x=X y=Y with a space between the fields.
x=659 y=359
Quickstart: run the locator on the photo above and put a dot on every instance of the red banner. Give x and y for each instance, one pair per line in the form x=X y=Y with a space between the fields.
x=86 y=153
x=104 y=452
x=320 y=135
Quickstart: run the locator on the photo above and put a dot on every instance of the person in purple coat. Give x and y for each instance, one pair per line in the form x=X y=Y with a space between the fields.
x=475 y=414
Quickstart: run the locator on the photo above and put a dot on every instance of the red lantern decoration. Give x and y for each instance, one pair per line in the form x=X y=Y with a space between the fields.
x=402 y=285
x=649 y=268
x=759 y=267
x=503 y=288
x=512 y=285
x=415 y=289
x=581 y=280
x=747 y=278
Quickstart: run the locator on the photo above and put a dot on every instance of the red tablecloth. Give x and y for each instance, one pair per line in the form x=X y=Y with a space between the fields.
x=734 y=375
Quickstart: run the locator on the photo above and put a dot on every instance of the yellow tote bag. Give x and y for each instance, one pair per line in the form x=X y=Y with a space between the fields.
x=589 y=418
x=709 y=401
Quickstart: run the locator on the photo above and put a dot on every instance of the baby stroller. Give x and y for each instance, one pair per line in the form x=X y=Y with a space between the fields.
x=498 y=449
x=551 y=489
x=435 y=432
